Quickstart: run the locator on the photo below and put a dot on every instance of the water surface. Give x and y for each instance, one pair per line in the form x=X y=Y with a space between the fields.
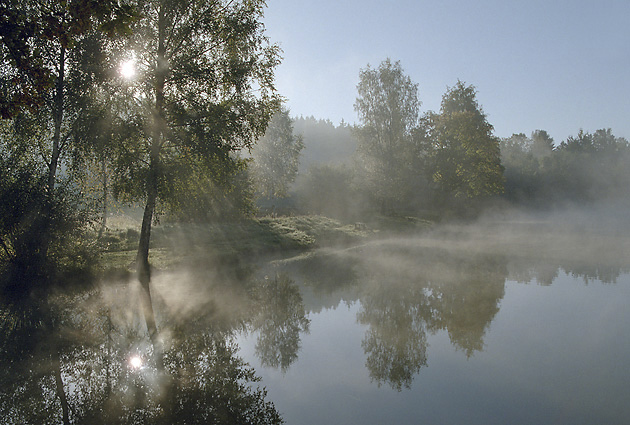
x=474 y=328
x=501 y=323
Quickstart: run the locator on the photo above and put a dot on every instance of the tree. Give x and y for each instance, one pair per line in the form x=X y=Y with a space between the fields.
x=521 y=168
x=204 y=90
x=541 y=144
x=323 y=142
x=52 y=55
x=591 y=166
x=276 y=156
x=329 y=190
x=387 y=105
x=466 y=161
x=52 y=66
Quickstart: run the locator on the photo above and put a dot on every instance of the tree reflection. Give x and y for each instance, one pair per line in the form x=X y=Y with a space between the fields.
x=465 y=301
x=70 y=364
x=280 y=321
x=411 y=292
x=452 y=280
x=544 y=272
x=395 y=343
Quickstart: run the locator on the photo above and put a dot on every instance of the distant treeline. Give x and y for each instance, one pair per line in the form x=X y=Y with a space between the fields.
x=589 y=167
x=539 y=173
x=449 y=163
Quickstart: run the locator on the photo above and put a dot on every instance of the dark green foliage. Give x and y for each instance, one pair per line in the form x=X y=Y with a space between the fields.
x=53 y=60
x=589 y=167
x=408 y=164
x=465 y=157
x=204 y=90
x=42 y=237
x=210 y=190
x=524 y=172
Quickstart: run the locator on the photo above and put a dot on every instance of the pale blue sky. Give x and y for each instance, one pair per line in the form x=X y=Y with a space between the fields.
x=555 y=65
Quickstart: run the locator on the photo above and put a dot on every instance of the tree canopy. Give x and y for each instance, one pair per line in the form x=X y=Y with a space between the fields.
x=387 y=105
x=52 y=57
x=466 y=158
x=203 y=89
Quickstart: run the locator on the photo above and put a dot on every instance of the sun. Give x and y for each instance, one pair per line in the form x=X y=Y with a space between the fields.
x=135 y=362
x=128 y=69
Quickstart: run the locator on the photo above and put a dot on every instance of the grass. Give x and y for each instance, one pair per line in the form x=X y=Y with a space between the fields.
x=173 y=244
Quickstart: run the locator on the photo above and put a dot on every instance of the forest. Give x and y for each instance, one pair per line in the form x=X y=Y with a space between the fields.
x=449 y=164
x=166 y=110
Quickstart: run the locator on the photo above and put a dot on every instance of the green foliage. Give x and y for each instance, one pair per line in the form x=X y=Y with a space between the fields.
x=541 y=144
x=523 y=170
x=465 y=157
x=211 y=189
x=589 y=167
x=204 y=90
x=276 y=157
x=42 y=237
x=52 y=57
x=387 y=105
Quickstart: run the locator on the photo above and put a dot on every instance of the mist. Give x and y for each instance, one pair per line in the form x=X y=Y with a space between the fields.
x=176 y=247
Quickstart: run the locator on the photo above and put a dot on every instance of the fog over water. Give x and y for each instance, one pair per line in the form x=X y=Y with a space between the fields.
x=180 y=246
x=513 y=319
x=517 y=321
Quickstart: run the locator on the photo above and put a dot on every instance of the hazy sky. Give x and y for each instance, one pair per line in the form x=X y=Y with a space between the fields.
x=556 y=65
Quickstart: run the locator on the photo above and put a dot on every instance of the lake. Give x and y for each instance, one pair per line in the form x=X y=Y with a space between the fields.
x=505 y=322
x=474 y=326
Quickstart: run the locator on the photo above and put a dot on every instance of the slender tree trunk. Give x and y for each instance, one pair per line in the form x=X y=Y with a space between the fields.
x=40 y=231
x=55 y=356
x=57 y=121
x=108 y=356
x=104 y=199
x=61 y=393
x=143 y=266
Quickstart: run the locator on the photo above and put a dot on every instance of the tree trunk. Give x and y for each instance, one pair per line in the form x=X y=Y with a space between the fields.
x=61 y=393
x=104 y=200
x=144 y=269
x=55 y=358
x=57 y=121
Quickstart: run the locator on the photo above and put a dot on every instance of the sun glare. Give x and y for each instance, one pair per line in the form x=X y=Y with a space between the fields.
x=135 y=362
x=128 y=69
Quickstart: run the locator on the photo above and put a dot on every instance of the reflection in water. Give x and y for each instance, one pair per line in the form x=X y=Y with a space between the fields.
x=395 y=343
x=279 y=322
x=93 y=363
x=85 y=357
x=424 y=290
x=453 y=281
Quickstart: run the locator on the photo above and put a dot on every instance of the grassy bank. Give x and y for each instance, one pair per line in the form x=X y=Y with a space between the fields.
x=173 y=244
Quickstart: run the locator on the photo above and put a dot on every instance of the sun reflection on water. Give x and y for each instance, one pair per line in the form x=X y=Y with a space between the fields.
x=135 y=362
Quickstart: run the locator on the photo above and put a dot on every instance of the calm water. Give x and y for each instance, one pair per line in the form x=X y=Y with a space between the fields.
x=426 y=331
x=503 y=323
